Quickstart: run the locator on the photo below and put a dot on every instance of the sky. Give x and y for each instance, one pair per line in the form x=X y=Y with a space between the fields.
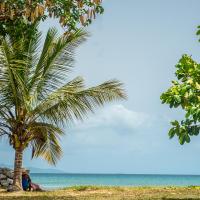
x=138 y=42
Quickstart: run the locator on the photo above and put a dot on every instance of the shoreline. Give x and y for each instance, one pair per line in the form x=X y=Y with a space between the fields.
x=71 y=173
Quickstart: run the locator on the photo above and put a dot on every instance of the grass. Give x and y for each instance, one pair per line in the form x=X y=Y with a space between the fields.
x=111 y=193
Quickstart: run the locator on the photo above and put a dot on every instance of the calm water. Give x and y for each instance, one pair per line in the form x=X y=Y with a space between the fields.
x=50 y=181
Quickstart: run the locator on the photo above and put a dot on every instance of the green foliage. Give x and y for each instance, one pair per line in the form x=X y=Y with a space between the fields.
x=185 y=93
x=17 y=16
x=36 y=96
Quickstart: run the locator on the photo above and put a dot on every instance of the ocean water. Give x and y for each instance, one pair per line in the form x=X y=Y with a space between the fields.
x=53 y=181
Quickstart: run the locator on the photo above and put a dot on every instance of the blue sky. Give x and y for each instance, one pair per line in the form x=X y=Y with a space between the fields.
x=138 y=42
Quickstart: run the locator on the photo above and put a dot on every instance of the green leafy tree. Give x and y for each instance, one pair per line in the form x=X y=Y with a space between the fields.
x=185 y=93
x=37 y=98
x=17 y=16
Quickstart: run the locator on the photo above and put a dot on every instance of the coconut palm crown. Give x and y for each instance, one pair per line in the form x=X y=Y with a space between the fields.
x=37 y=98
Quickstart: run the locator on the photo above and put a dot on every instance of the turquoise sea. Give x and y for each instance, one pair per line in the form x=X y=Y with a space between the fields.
x=53 y=181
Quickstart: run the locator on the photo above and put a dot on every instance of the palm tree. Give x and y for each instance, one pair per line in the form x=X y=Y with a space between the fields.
x=37 y=98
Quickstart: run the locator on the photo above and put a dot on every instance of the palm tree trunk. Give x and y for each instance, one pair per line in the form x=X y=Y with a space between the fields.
x=17 y=178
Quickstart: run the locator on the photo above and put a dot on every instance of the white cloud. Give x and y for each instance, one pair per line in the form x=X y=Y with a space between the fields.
x=116 y=117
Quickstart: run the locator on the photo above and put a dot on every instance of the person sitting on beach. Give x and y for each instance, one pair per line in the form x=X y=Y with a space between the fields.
x=27 y=183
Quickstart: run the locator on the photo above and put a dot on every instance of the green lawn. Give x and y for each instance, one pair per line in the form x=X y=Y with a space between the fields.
x=112 y=193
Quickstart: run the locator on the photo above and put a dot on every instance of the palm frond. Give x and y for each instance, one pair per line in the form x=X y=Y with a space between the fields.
x=55 y=62
x=45 y=142
x=72 y=101
x=16 y=62
x=7 y=78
